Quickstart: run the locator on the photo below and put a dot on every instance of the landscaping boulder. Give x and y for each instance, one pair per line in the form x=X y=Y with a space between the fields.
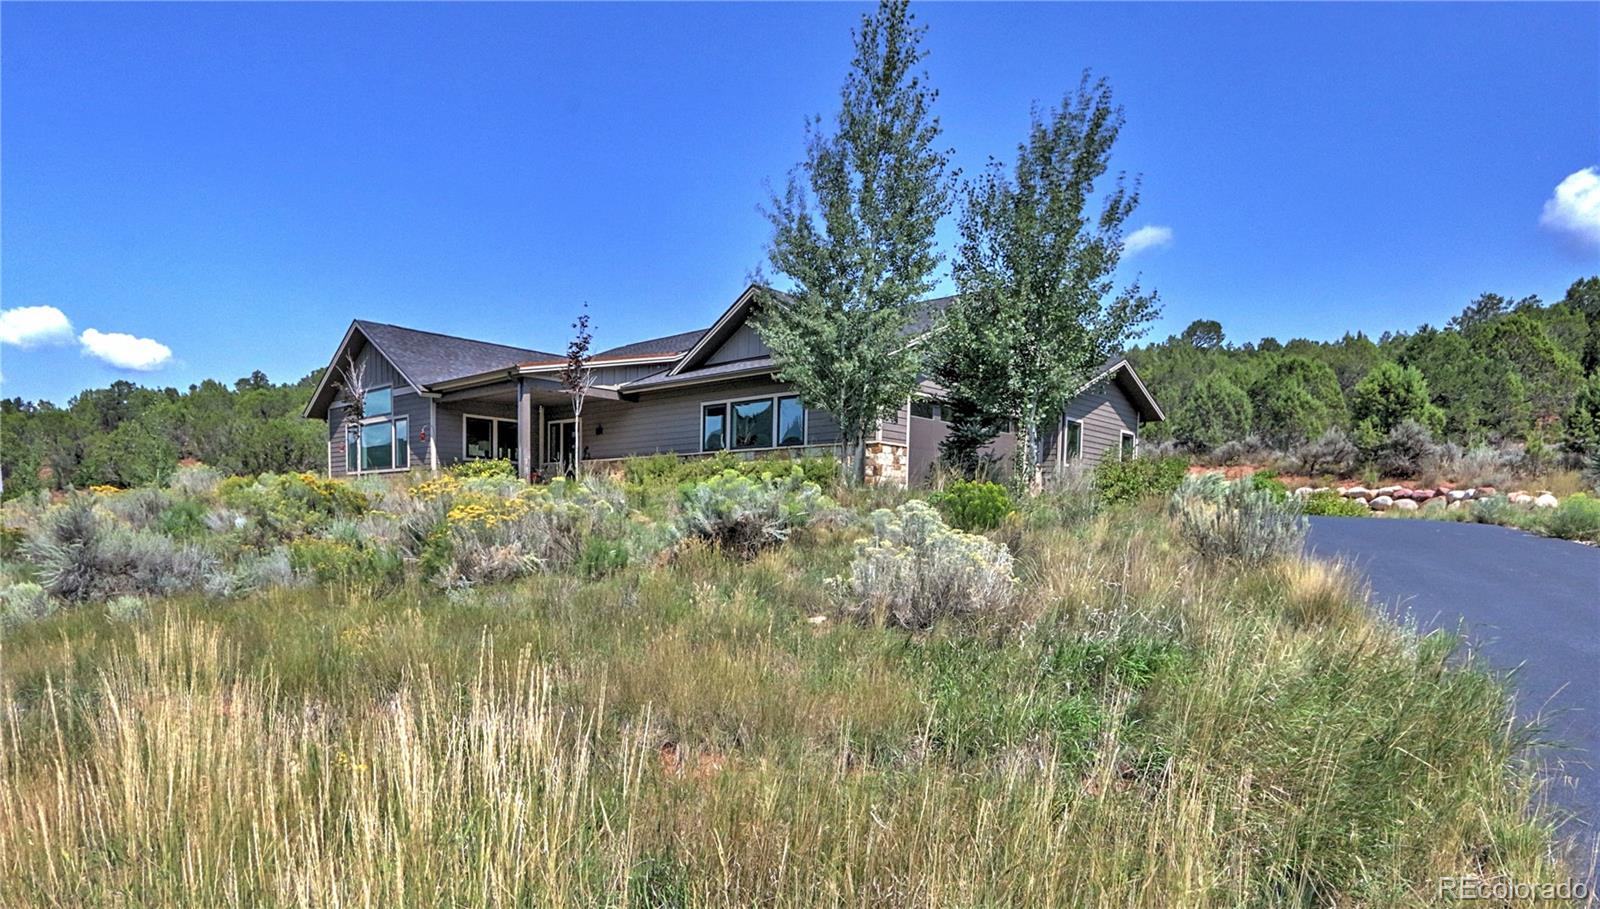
x=1484 y=492
x=1303 y=491
x=1437 y=503
x=1356 y=492
x=1546 y=500
x=1520 y=498
x=1381 y=503
x=1457 y=495
x=1406 y=504
x=1359 y=500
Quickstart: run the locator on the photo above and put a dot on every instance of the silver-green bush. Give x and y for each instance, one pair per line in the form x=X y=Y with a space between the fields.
x=1242 y=524
x=81 y=555
x=743 y=515
x=24 y=601
x=917 y=570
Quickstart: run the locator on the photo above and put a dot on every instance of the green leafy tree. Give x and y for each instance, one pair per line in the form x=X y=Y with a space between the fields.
x=1550 y=376
x=1037 y=304
x=1204 y=334
x=1584 y=297
x=1213 y=412
x=1390 y=395
x=854 y=234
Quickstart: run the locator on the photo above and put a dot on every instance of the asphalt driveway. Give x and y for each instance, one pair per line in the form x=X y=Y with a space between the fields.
x=1528 y=603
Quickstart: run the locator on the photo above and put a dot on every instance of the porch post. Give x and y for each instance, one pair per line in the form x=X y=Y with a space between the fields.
x=524 y=431
x=544 y=456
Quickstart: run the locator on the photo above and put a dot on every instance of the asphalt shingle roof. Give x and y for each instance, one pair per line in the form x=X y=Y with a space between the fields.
x=704 y=372
x=670 y=344
x=427 y=357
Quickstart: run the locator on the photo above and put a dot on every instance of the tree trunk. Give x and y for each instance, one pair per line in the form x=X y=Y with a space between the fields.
x=857 y=454
x=577 y=445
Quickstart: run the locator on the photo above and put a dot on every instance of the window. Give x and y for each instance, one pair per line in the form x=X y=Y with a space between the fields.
x=930 y=409
x=489 y=437
x=791 y=421
x=752 y=424
x=1129 y=442
x=352 y=449
x=378 y=402
x=402 y=443
x=713 y=427
x=480 y=437
x=775 y=422
x=377 y=446
x=1074 y=439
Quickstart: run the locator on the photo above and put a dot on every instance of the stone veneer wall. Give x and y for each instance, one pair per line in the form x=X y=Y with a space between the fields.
x=888 y=464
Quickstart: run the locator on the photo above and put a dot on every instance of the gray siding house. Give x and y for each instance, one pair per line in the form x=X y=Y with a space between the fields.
x=430 y=400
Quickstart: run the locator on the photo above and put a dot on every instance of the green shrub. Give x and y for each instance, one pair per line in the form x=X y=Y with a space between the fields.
x=467 y=470
x=916 y=570
x=974 y=504
x=1121 y=481
x=1576 y=518
x=184 y=519
x=602 y=556
x=742 y=514
x=1245 y=525
x=1330 y=503
x=666 y=470
x=1267 y=481
x=344 y=562
x=127 y=609
x=195 y=479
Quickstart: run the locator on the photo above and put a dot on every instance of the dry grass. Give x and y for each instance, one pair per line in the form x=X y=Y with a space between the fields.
x=682 y=735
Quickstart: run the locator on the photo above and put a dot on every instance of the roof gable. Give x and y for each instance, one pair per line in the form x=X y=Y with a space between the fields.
x=421 y=358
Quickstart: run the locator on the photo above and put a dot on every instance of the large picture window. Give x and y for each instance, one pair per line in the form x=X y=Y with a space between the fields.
x=753 y=424
x=381 y=441
x=490 y=437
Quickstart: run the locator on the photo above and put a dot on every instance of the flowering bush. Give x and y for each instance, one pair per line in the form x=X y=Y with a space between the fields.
x=283 y=506
x=742 y=514
x=916 y=570
x=494 y=529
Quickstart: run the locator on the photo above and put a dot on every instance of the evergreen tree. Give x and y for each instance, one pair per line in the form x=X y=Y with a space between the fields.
x=854 y=234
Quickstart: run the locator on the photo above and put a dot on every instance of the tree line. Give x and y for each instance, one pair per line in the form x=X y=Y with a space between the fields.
x=128 y=435
x=1504 y=370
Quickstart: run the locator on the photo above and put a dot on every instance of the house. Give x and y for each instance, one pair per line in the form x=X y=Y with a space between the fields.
x=432 y=400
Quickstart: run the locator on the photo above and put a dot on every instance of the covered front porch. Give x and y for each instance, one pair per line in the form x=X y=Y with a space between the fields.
x=528 y=420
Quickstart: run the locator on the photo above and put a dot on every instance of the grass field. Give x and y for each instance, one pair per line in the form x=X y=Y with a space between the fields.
x=697 y=729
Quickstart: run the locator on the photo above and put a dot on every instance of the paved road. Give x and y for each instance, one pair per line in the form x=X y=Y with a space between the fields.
x=1527 y=601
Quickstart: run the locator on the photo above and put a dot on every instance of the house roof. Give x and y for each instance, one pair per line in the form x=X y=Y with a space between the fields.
x=426 y=357
x=670 y=344
x=666 y=378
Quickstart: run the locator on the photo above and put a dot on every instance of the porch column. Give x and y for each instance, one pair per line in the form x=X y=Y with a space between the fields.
x=544 y=456
x=524 y=431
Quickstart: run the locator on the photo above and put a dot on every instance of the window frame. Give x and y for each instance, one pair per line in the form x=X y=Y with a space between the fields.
x=1128 y=445
x=1072 y=449
x=727 y=428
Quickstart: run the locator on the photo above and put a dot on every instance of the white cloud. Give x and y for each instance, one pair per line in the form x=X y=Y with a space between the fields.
x=30 y=326
x=125 y=351
x=1150 y=236
x=1574 y=209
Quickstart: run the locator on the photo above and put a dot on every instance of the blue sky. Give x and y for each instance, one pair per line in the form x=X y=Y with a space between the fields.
x=234 y=183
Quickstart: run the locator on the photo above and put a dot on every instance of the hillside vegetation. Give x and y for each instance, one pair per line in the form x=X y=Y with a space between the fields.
x=720 y=687
x=1511 y=383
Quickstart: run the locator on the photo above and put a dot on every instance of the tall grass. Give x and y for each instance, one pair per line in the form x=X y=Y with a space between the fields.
x=1146 y=731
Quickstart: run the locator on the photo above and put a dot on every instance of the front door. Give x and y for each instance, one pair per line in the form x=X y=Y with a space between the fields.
x=561 y=444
